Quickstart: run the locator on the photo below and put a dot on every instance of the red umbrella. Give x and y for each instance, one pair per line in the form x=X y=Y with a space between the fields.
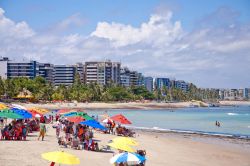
x=34 y=113
x=62 y=111
x=120 y=118
x=76 y=119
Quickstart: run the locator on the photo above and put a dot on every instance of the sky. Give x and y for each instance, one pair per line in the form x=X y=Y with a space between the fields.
x=203 y=42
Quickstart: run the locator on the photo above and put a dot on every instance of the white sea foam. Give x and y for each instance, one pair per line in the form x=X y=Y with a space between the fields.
x=232 y=114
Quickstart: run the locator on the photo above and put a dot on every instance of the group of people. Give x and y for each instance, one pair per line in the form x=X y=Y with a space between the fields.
x=16 y=130
x=75 y=135
x=123 y=131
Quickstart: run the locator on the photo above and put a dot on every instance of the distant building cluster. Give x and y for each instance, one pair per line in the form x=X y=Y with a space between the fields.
x=102 y=73
x=234 y=94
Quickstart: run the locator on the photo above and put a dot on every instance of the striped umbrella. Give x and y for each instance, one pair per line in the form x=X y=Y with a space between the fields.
x=129 y=158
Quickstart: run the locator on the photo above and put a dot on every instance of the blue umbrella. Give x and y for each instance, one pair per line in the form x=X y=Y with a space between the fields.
x=94 y=124
x=25 y=114
x=70 y=114
x=129 y=158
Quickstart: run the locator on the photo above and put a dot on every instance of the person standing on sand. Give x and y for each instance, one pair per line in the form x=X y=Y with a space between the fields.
x=42 y=131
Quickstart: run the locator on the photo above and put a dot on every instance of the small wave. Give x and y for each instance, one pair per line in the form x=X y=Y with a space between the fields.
x=191 y=132
x=232 y=114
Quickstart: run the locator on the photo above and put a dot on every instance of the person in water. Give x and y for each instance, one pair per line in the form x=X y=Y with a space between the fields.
x=217 y=124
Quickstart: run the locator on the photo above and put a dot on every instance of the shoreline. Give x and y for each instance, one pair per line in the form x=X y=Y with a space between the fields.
x=129 y=105
x=194 y=134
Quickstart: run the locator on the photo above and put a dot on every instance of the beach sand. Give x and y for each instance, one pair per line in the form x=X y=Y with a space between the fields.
x=163 y=149
x=99 y=105
x=129 y=105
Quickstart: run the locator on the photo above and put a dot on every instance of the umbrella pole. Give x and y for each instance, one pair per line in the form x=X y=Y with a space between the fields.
x=52 y=163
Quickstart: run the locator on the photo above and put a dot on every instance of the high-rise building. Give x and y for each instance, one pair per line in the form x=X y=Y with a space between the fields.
x=140 y=79
x=64 y=75
x=125 y=77
x=246 y=94
x=80 y=71
x=102 y=73
x=148 y=83
x=28 y=69
x=162 y=82
x=134 y=78
x=46 y=70
x=180 y=84
x=3 y=67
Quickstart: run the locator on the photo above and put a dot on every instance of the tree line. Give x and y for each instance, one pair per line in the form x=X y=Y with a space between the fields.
x=42 y=90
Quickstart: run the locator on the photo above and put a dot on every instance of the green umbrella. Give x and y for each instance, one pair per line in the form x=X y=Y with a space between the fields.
x=84 y=115
x=81 y=114
x=6 y=113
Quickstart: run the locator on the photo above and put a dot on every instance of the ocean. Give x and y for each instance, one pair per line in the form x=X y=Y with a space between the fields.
x=235 y=121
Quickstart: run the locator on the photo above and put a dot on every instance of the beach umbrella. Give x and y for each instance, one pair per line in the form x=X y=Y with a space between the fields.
x=63 y=111
x=75 y=119
x=18 y=106
x=94 y=124
x=121 y=119
x=34 y=113
x=6 y=113
x=107 y=120
x=128 y=158
x=125 y=140
x=24 y=113
x=40 y=110
x=121 y=146
x=37 y=116
x=3 y=106
x=61 y=157
x=81 y=114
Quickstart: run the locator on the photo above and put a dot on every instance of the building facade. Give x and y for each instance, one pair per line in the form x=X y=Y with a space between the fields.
x=64 y=75
x=184 y=86
x=124 y=77
x=162 y=82
x=102 y=73
x=3 y=67
x=148 y=83
x=28 y=69
x=46 y=70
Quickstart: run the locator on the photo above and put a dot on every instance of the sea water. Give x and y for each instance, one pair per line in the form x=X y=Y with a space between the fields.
x=234 y=121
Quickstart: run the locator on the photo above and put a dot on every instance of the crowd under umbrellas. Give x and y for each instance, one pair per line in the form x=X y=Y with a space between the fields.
x=74 y=129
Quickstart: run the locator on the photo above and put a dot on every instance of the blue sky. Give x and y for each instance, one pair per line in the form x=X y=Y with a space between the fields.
x=41 y=14
x=197 y=41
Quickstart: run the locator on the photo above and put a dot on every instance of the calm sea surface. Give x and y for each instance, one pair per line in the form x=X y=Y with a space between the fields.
x=235 y=121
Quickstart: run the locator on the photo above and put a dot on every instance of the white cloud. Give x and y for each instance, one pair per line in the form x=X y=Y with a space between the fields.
x=8 y=28
x=158 y=31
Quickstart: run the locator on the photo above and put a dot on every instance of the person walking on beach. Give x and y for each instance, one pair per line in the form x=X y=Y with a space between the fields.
x=1 y=128
x=42 y=131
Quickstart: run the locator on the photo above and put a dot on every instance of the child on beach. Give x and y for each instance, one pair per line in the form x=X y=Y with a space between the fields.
x=24 y=132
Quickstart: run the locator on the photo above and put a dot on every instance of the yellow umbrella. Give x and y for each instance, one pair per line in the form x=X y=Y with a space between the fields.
x=3 y=106
x=61 y=158
x=125 y=140
x=40 y=110
x=121 y=146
